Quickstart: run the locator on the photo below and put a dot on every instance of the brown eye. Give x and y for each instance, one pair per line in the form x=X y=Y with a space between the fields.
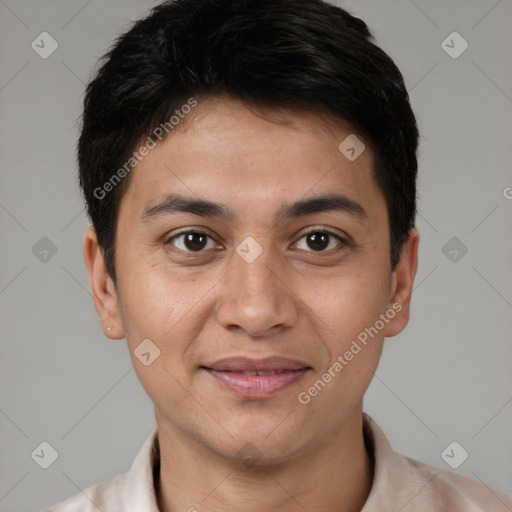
x=190 y=241
x=320 y=240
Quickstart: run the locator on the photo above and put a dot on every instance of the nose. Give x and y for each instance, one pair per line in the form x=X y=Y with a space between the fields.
x=257 y=297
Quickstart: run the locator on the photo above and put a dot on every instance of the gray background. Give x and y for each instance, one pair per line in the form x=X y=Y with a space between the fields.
x=447 y=377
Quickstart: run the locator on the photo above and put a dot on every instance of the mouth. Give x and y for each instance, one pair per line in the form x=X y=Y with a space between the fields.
x=253 y=378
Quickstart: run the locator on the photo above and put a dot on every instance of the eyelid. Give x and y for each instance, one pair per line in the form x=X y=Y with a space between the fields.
x=329 y=231
x=186 y=231
x=343 y=241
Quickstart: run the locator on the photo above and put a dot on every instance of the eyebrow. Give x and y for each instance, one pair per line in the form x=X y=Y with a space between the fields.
x=175 y=203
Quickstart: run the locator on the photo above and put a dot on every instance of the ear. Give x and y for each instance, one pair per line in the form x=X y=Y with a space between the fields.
x=103 y=290
x=402 y=281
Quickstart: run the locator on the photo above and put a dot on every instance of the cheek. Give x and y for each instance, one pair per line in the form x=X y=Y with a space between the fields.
x=164 y=305
x=350 y=302
x=353 y=341
x=147 y=307
x=155 y=309
x=356 y=311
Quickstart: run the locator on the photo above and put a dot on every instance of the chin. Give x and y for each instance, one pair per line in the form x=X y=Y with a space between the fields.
x=262 y=448
x=253 y=454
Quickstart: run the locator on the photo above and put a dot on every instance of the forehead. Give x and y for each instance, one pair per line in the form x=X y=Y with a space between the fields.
x=246 y=157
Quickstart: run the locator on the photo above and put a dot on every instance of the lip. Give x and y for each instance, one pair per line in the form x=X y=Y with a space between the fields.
x=241 y=376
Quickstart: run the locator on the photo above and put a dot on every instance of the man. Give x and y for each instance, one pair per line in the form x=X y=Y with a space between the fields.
x=250 y=170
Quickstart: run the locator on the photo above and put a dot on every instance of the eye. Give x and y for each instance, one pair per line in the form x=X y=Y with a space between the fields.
x=320 y=240
x=191 y=241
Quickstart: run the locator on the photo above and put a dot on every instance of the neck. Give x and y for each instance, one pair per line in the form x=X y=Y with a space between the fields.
x=336 y=475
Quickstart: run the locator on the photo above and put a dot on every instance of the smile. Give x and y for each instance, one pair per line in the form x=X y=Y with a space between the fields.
x=255 y=379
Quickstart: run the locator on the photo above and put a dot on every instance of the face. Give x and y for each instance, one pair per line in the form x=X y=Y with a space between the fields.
x=254 y=256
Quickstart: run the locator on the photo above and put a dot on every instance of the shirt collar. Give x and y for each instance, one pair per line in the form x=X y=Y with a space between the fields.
x=139 y=492
x=390 y=473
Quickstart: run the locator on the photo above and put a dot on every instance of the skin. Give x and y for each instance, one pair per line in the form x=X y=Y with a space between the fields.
x=294 y=300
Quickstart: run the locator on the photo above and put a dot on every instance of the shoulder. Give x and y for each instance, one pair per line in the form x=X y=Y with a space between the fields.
x=106 y=495
x=135 y=487
x=402 y=483
x=450 y=491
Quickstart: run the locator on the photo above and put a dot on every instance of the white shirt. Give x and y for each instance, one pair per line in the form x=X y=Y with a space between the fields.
x=399 y=484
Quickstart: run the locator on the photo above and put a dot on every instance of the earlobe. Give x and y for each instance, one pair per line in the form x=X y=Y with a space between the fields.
x=402 y=284
x=103 y=290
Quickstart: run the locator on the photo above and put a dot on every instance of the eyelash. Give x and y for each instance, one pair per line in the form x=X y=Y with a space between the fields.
x=342 y=242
